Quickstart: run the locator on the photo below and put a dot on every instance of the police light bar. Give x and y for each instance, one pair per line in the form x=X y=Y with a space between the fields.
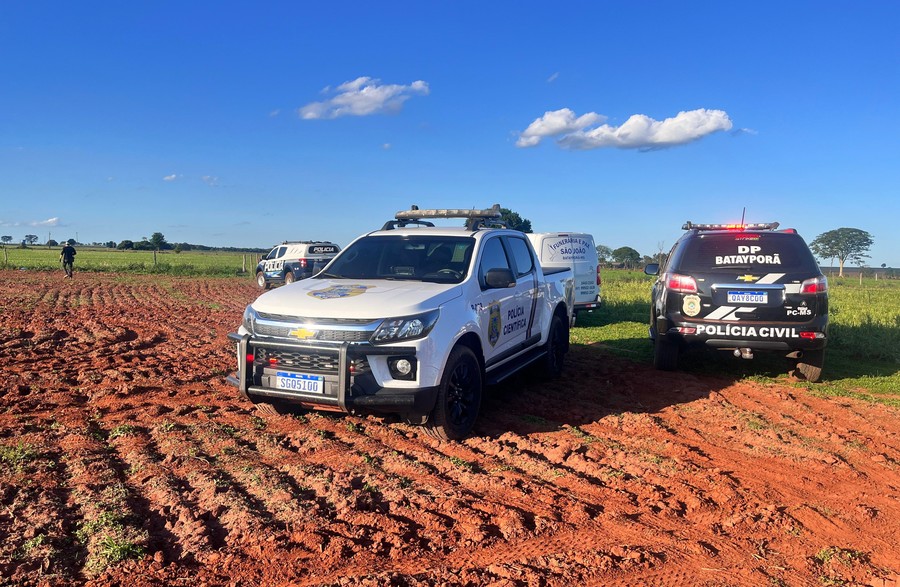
x=759 y=226
x=414 y=213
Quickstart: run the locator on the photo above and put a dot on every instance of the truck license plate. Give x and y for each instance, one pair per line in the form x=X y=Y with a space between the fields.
x=299 y=382
x=748 y=297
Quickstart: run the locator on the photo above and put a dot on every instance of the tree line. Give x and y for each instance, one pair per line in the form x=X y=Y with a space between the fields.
x=156 y=242
x=843 y=244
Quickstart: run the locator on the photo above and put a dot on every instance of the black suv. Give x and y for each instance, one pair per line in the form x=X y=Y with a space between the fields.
x=742 y=288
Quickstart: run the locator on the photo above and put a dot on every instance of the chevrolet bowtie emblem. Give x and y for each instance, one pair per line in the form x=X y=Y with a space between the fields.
x=302 y=333
x=748 y=278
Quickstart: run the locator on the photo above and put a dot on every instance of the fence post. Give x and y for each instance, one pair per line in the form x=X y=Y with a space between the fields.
x=154 y=257
x=243 y=263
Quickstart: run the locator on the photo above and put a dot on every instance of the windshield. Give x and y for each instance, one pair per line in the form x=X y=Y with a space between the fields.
x=442 y=259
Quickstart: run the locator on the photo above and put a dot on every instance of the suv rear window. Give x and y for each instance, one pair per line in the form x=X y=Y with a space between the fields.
x=771 y=252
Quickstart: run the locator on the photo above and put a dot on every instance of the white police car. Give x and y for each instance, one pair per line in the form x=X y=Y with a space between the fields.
x=293 y=260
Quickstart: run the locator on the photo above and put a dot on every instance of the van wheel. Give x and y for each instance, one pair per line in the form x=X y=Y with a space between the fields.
x=288 y=277
x=557 y=341
x=665 y=354
x=261 y=280
x=459 y=397
x=810 y=365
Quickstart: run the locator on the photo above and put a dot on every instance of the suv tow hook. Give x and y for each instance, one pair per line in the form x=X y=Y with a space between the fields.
x=743 y=353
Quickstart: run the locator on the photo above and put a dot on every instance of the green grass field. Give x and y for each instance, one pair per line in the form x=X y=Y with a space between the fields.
x=862 y=360
x=200 y=263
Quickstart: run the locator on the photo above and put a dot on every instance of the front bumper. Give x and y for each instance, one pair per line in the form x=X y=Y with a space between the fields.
x=347 y=385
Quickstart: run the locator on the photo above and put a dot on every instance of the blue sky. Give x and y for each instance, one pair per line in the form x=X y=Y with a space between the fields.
x=245 y=124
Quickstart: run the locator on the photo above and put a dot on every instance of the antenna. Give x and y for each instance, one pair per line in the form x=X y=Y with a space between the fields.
x=743 y=212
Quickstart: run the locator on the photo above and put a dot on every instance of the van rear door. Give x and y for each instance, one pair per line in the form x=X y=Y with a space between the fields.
x=577 y=251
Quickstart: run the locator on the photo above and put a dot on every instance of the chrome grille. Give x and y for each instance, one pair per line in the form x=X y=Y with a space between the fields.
x=279 y=331
x=324 y=329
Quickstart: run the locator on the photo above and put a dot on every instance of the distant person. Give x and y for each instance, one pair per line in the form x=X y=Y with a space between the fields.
x=67 y=256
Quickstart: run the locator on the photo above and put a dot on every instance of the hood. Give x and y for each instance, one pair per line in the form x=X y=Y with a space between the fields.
x=345 y=298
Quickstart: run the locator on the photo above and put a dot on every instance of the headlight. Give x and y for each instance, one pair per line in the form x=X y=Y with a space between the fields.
x=249 y=320
x=407 y=328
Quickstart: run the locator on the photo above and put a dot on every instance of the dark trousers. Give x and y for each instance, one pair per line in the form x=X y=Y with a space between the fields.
x=67 y=267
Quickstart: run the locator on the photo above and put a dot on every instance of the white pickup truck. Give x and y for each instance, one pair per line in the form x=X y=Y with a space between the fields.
x=411 y=319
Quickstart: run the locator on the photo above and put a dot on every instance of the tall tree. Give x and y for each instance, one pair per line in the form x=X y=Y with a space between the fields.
x=627 y=255
x=31 y=238
x=158 y=241
x=845 y=244
x=604 y=253
x=514 y=221
x=6 y=239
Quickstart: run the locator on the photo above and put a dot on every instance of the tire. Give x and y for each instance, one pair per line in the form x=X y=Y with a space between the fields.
x=556 y=347
x=261 y=280
x=277 y=408
x=288 y=277
x=810 y=365
x=459 y=397
x=665 y=354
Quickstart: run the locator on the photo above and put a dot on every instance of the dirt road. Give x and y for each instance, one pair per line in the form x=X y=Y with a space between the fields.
x=126 y=460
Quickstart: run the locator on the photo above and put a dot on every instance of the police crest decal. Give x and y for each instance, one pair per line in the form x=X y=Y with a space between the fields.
x=494 y=324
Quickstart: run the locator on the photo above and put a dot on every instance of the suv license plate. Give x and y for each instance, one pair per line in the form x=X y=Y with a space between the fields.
x=748 y=297
x=299 y=382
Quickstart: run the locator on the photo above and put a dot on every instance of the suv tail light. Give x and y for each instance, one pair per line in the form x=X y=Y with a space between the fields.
x=599 y=280
x=681 y=283
x=815 y=285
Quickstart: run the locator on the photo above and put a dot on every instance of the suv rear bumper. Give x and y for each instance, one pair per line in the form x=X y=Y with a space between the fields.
x=782 y=336
x=342 y=390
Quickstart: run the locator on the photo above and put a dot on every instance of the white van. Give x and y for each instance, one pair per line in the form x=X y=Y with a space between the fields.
x=575 y=250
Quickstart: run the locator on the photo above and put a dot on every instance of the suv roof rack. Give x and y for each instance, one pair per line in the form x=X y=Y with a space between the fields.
x=475 y=219
x=759 y=226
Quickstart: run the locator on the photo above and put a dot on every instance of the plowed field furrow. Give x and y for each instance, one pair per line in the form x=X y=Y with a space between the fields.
x=126 y=460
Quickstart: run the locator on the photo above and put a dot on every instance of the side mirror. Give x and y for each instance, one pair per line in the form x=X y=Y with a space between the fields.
x=499 y=278
x=652 y=269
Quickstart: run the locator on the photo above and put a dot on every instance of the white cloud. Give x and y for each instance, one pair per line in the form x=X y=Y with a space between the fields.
x=362 y=97
x=172 y=177
x=211 y=180
x=638 y=132
x=553 y=77
x=744 y=131
x=554 y=123
x=386 y=146
x=50 y=222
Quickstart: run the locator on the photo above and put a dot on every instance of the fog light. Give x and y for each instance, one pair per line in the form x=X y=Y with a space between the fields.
x=402 y=368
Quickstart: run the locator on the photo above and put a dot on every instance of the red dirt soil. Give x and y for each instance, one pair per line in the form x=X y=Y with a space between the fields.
x=121 y=440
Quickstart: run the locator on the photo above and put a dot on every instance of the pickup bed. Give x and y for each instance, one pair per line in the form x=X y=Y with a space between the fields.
x=411 y=319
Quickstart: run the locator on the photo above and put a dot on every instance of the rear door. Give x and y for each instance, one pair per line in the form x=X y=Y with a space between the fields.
x=748 y=276
x=578 y=252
